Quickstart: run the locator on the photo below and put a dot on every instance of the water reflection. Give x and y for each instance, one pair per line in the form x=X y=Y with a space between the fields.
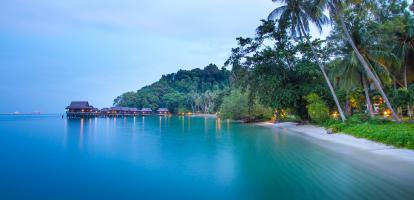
x=160 y=121
x=81 y=133
x=135 y=123
x=247 y=161
x=218 y=127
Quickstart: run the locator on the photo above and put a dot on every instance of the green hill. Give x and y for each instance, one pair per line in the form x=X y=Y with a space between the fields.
x=197 y=90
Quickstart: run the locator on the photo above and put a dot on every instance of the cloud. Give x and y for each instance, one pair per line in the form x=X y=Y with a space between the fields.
x=179 y=18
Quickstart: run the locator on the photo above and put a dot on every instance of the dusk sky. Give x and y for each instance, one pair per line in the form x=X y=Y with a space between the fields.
x=52 y=52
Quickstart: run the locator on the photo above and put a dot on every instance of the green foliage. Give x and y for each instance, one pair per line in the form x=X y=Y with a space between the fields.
x=399 y=135
x=236 y=106
x=261 y=112
x=376 y=129
x=317 y=109
x=197 y=90
x=358 y=118
x=278 y=76
x=402 y=97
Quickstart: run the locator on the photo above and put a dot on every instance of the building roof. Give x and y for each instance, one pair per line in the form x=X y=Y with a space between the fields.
x=79 y=105
x=133 y=109
x=162 y=110
x=118 y=108
x=146 y=110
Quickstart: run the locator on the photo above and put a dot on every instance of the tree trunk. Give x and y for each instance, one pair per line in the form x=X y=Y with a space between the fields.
x=369 y=72
x=348 y=109
x=367 y=98
x=322 y=68
x=405 y=75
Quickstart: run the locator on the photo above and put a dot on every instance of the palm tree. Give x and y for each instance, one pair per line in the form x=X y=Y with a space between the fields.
x=405 y=39
x=335 y=8
x=350 y=72
x=298 y=14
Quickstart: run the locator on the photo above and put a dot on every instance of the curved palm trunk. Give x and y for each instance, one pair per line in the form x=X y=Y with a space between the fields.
x=322 y=68
x=369 y=72
x=405 y=75
x=368 y=99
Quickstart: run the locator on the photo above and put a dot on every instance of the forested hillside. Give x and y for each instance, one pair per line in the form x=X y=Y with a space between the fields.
x=197 y=90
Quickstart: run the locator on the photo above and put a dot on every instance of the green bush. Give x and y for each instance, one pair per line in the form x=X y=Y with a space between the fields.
x=336 y=128
x=235 y=106
x=398 y=135
x=331 y=122
x=318 y=111
x=358 y=118
x=379 y=120
x=261 y=112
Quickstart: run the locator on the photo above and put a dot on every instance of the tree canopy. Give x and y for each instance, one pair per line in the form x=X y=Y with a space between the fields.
x=197 y=90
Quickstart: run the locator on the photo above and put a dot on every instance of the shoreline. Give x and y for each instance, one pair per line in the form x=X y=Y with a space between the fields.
x=363 y=144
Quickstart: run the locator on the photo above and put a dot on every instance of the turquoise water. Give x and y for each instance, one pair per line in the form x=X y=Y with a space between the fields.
x=47 y=157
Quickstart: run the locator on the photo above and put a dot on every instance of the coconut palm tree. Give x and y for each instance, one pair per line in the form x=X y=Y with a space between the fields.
x=335 y=8
x=298 y=14
x=406 y=42
x=349 y=71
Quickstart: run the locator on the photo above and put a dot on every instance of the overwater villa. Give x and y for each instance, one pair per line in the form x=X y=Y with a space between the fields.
x=81 y=109
x=163 y=111
x=105 y=112
x=84 y=109
x=145 y=111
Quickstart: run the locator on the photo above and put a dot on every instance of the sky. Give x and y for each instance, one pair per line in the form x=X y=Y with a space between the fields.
x=53 y=52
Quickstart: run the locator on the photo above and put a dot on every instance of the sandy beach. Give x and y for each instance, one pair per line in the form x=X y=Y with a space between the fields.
x=348 y=140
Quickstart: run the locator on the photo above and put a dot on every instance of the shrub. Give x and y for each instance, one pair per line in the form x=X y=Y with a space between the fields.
x=261 y=112
x=331 y=122
x=399 y=135
x=234 y=106
x=336 y=128
x=358 y=118
x=378 y=120
x=317 y=109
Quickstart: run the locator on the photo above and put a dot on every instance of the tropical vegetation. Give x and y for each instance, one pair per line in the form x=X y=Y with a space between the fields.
x=197 y=90
x=364 y=67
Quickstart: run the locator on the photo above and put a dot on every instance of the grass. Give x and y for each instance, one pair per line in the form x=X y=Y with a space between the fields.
x=376 y=129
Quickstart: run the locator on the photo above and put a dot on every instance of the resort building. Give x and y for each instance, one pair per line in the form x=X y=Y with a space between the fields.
x=145 y=111
x=105 y=112
x=81 y=109
x=133 y=111
x=84 y=109
x=163 y=111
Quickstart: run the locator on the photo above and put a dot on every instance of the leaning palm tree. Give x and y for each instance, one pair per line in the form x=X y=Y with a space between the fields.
x=298 y=14
x=349 y=71
x=335 y=8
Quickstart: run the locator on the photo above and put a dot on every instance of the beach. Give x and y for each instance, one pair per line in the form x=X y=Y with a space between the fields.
x=320 y=133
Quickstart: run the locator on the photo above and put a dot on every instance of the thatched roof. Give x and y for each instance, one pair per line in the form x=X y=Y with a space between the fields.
x=79 y=105
x=162 y=110
x=146 y=110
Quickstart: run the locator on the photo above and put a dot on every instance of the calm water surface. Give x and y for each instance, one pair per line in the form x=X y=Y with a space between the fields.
x=47 y=157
